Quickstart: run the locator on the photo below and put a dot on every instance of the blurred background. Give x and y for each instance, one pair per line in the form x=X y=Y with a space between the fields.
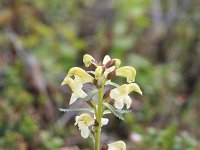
x=40 y=41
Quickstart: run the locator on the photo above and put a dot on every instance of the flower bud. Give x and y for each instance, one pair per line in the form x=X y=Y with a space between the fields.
x=110 y=63
x=106 y=94
x=111 y=75
x=98 y=72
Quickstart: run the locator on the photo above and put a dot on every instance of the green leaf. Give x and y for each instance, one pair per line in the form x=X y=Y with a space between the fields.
x=90 y=95
x=116 y=112
x=76 y=109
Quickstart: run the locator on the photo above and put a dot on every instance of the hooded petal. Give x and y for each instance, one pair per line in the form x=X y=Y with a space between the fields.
x=134 y=87
x=82 y=74
x=127 y=72
x=119 y=145
x=117 y=62
x=69 y=81
x=76 y=87
x=87 y=60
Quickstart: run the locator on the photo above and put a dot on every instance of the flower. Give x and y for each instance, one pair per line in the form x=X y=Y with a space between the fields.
x=87 y=60
x=76 y=86
x=119 y=145
x=121 y=97
x=127 y=72
x=84 y=121
x=82 y=74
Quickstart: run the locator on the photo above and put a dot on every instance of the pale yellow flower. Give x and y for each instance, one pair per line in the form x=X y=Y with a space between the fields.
x=121 y=97
x=87 y=60
x=127 y=72
x=76 y=87
x=82 y=74
x=84 y=121
x=119 y=145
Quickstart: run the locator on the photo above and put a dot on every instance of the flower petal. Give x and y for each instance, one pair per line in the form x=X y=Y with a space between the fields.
x=114 y=93
x=106 y=59
x=104 y=121
x=134 y=87
x=127 y=101
x=85 y=133
x=119 y=104
x=82 y=125
x=119 y=145
x=82 y=74
x=127 y=72
x=87 y=60
x=73 y=98
x=117 y=62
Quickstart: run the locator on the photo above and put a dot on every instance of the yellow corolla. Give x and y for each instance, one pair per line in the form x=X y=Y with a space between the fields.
x=82 y=74
x=76 y=86
x=119 y=145
x=127 y=72
x=87 y=60
x=84 y=121
x=121 y=97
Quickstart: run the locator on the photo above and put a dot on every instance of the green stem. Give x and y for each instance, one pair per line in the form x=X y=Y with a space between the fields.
x=98 y=117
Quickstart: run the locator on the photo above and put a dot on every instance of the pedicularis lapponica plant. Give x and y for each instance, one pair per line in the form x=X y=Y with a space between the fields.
x=110 y=100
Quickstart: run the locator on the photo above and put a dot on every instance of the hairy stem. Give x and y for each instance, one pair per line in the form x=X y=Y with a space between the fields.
x=98 y=118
